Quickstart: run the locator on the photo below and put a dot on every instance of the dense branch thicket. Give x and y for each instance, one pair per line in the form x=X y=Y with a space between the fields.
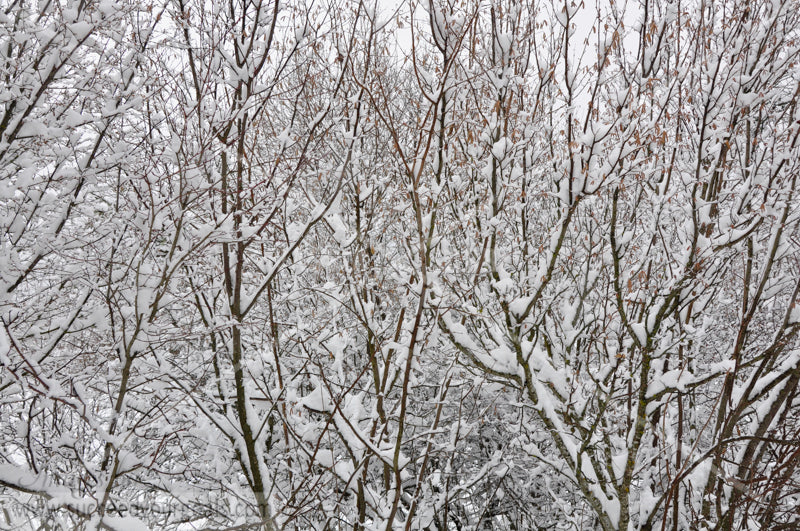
x=446 y=265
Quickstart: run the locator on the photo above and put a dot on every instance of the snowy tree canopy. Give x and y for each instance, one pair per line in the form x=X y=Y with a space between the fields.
x=419 y=265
